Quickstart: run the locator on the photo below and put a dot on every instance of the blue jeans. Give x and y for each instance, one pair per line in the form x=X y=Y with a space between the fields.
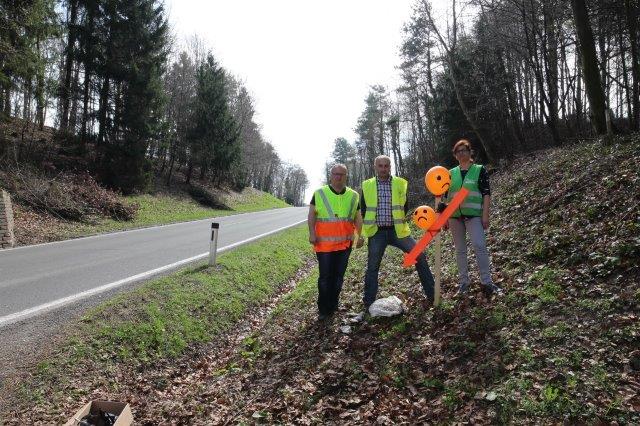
x=376 y=246
x=332 y=265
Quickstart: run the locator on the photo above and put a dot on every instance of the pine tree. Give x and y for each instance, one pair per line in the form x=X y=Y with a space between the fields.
x=214 y=135
x=131 y=94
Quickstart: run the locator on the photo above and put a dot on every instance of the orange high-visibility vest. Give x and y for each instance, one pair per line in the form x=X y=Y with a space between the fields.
x=335 y=220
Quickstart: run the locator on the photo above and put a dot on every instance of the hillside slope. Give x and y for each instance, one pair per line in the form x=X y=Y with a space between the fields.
x=562 y=344
x=55 y=196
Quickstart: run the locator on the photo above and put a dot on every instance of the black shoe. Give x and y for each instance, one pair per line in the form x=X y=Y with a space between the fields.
x=325 y=317
x=491 y=290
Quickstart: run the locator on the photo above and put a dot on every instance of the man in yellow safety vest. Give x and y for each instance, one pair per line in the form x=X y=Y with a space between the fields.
x=384 y=206
x=334 y=222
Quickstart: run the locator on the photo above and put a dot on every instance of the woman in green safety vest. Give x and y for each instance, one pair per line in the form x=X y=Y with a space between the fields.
x=471 y=218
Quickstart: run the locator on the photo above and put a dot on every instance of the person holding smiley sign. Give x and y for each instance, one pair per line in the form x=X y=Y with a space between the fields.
x=383 y=205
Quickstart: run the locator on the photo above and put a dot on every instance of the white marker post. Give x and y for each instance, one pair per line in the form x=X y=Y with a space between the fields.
x=438 y=250
x=213 y=244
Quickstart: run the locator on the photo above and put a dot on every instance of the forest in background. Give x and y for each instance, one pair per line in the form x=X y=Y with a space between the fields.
x=512 y=76
x=128 y=101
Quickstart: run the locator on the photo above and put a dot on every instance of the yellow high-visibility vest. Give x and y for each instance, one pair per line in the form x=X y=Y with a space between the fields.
x=398 y=200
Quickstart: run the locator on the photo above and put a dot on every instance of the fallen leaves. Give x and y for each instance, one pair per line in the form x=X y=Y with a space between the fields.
x=561 y=346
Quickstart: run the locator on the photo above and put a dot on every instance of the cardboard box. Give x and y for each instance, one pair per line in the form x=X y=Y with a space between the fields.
x=121 y=409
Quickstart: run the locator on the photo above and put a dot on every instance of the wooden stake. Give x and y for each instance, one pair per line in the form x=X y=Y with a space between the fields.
x=438 y=250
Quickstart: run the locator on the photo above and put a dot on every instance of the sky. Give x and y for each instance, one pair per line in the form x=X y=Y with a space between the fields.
x=307 y=64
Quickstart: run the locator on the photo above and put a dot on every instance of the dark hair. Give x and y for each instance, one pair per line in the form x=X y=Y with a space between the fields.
x=461 y=142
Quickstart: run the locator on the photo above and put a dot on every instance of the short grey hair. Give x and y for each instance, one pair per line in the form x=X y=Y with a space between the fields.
x=382 y=157
x=339 y=165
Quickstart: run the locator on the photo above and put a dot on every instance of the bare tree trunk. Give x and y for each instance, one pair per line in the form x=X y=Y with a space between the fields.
x=102 y=113
x=65 y=88
x=450 y=57
x=604 y=61
x=625 y=79
x=7 y=102
x=563 y=77
x=39 y=92
x=632 y=21
x=578 y=91
x=171 y=162
x=85 y=107
x=73 y=113
x=512 y=106
x=189 y=172
x=26 y=105
x=590 y=65
x=551 y=62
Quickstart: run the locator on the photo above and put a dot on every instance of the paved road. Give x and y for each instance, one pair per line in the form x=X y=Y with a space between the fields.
x=37 y=279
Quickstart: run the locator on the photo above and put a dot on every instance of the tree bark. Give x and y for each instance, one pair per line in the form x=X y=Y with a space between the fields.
x=73 y=113
x=65 y=88
x=590 y=66
x=40 y=89
x=85 y=106
x=451 y=61
x=632 y=21
x=578 y=91
x=551 y=50
x=7 y=102
x=102 y=116
x=625 y=79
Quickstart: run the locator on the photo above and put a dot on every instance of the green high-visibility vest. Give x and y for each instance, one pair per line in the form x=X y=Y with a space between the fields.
x=472 y=205
x=398 y=200
x=332 y=207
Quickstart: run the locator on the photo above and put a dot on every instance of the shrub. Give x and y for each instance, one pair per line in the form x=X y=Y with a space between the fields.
x=67 y=196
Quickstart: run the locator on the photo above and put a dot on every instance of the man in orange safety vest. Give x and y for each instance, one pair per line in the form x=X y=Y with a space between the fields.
x=334 y=223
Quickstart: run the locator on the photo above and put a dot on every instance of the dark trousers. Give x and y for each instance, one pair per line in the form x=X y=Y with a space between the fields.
x=377 y=245
x=332 y=265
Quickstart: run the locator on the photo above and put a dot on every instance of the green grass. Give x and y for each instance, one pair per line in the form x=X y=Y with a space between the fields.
x=164 y=209
x=251 y=200
x=163 y=317
x=543 y=283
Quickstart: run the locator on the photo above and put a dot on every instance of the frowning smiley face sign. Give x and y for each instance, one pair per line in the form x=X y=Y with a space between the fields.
x=437 y=180
x=423 y=217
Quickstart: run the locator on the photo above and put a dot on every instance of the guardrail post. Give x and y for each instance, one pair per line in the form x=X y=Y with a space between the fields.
x=213 y=244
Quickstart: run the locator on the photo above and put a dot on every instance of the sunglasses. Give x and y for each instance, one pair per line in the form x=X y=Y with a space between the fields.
x=461 y=151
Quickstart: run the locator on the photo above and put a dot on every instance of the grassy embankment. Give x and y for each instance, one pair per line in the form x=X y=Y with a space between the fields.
x=562 y=345
x=158 y=209
x=156 y=324
x=164 y=209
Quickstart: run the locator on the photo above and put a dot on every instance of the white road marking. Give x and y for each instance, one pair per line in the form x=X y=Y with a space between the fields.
x=36 y=310
x=145 y=228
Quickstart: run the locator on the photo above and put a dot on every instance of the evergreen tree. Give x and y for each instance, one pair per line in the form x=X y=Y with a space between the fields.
x=25 y=26
x=131 y=94
x=213 y=139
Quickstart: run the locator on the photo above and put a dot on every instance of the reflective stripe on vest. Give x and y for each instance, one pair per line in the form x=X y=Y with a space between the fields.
x=472 y=205
x=398 y=200
x=335 y=219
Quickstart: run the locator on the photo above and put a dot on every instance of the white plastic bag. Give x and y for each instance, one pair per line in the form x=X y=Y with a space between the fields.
x=387 y=307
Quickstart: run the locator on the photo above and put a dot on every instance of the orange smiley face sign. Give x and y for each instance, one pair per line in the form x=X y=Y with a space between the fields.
x=437 y=180
x=423 y=217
